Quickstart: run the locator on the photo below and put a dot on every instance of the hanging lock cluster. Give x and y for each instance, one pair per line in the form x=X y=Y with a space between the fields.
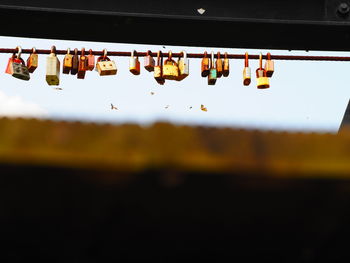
x=74 y=64
x=215 y=69
x=170 y=69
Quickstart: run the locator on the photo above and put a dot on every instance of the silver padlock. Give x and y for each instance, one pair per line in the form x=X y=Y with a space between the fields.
x=184 y=66
x=19 y=69
x=53 y=68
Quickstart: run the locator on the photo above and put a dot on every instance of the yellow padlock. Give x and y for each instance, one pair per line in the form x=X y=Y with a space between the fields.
x=261 y=76
x=170 y=68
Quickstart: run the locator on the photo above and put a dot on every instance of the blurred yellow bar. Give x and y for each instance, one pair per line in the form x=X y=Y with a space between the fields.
x=131 y=148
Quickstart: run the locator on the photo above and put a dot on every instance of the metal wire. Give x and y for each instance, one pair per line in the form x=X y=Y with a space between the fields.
x=189 y=55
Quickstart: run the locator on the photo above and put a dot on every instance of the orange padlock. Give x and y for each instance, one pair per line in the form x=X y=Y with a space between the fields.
x=82 y=64
x=219 y=66
x=91 y=61
x=32 y=61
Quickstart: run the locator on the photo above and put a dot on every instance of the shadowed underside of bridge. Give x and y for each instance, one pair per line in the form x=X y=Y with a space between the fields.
x=269 y=24
x=73 y=192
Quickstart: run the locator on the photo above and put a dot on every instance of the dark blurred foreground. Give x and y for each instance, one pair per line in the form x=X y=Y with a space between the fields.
x=74 y=192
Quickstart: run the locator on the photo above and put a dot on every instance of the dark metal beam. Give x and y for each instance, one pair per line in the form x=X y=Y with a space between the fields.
x=272 y=24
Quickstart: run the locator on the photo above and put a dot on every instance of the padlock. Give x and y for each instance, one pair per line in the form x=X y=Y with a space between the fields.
x=90 y=61
x=269 y=66
x=184 y=66
x=170 y=68
x=18 y=68
x=205 y=65
x=149 y=62
x=53 y=68
x=75 y=63
x=32 y=61
x=247 y=71
x=219 y=65
x=105 y=66
x=226 y=69
x=262 y=79
x=158 y=69
x=9 y=68
x=82 y=65
x=20 y=71
x=212 y=77
x=134 y=64
x=67 y=62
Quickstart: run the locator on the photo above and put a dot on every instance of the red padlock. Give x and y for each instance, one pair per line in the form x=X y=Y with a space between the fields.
x=13 y=59
x=9 y=68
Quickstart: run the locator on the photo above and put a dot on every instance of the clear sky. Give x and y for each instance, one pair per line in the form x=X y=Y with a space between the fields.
x=304 y=96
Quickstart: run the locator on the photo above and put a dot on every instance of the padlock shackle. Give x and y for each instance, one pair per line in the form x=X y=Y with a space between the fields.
x=82 y=52
x=169 y=61
x=149 y=53
x=205 y=54
x=219 y=55
x=260 y=61
x=102 y=58
x=105 y=53
x=90 y=51
x=33 y=50
x=226 y=55
x=268 y=55
x=160 y=58
x=75 y=52
x=53 y=49
x=212 y=64
x=246 y=60
x=68 y=51
x=133 y=54
x=19 y=51
x=183 y=53
x=170 y=56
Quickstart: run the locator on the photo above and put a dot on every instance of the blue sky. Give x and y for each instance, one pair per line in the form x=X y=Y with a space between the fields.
x=304 y=96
